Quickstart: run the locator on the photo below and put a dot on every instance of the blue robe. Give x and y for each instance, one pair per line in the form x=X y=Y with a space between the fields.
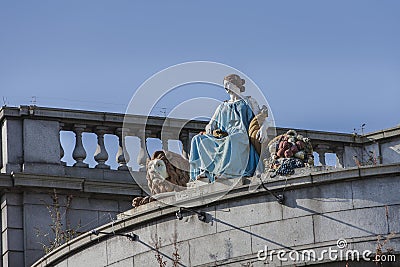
x=231 y=156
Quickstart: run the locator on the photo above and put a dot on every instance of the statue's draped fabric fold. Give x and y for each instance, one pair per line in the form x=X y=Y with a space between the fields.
x=231 y=156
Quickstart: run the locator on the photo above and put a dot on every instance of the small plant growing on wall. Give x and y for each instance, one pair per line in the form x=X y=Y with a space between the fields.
x=157 y=244
x=175 y=257
x=59 y=233
x=381 y=244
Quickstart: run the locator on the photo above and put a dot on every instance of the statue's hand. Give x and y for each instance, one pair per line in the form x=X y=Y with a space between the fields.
x=262 y=134
x=209 y=128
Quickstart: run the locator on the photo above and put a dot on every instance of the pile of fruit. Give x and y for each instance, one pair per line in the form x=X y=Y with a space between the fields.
x=288 y=152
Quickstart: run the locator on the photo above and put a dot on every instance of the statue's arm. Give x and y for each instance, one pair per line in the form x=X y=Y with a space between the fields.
x=262 y=114
x=254 y=105
x=212 y=125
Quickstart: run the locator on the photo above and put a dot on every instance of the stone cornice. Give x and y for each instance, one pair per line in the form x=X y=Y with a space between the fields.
x=26 y=180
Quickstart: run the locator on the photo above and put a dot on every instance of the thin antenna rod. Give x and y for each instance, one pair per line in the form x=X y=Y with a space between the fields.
x=33 y=100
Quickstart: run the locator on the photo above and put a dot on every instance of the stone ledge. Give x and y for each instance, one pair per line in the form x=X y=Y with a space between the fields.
x=36 y=180
x=111 y=188
x=5 y=180
x=277 y=184
x=324 y=136
x=99 y=174
x=69 y=183
x=382 y=170
x=383 y=134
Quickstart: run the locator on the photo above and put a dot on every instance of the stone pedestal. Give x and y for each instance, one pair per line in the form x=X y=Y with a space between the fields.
x=41 y=146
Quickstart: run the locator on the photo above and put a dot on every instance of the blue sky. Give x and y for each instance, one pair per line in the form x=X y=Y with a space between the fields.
x=325 y=65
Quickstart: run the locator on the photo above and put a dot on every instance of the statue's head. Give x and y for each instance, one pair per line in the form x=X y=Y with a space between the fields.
x=234 y=83
x=157 y=169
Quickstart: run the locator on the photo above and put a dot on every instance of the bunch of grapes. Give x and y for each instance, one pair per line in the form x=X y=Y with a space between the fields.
x=288 y=165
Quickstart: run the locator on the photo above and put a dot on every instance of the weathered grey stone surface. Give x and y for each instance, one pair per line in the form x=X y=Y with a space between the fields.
x=124 y=205
x=166 y=252
x=43 y=168
x=40 y=180
x=9 y=198
x=37 y=218
x=182 y=249
x=374 y=148
x=31 y=256
x=62 y=264
x=318 y=199
x=12 y=151
x=285 y=233
x=41 y=141
x=12 y=237
x=95 y=204
x=119 y=248
x=123 y=263
x=377 y=192
x=350 y=223
x=112 y=188
x=83 y=215
x=258 y=210
x=391 y=152
x=83 y=220
x=220 y=246
x=92 y=256
x=11 y=217
x=13 y=258
x=36 y=198
x=316 y=214
x=184 y=228
x=349 y=153
x=394 y=218
x=12 y=240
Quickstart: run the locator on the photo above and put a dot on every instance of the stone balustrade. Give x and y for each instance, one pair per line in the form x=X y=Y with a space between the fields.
x=30 y=138
x=30 y=141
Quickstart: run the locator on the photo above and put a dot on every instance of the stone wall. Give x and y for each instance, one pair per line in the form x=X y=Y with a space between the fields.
x=24 y=208
x=357 y=204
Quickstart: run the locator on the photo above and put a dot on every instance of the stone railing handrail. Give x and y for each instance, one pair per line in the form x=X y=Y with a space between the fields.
x=92 y=118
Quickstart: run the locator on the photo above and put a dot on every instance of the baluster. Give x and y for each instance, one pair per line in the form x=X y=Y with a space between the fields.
x=142 y=157
x=120 y=157
x=339 y=157
x=164 y=143
x=79 y=153
x=321 y=150
x=166 y=135
x=61 y=148
x=321 y=155
x=184 y=138
x=101 y=155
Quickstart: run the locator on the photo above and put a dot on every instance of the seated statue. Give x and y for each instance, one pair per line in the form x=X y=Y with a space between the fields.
x=227 y=147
